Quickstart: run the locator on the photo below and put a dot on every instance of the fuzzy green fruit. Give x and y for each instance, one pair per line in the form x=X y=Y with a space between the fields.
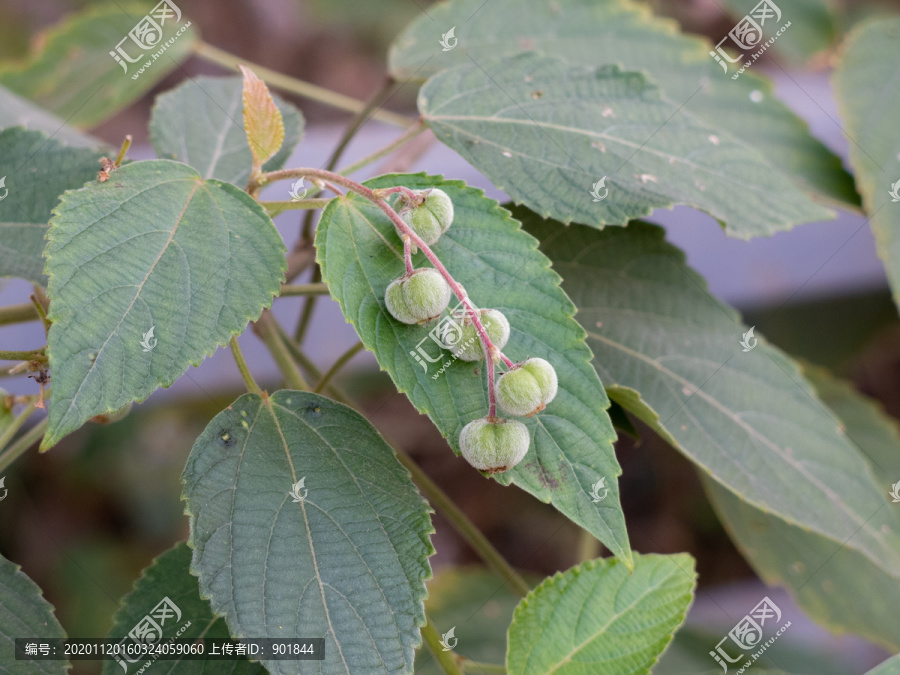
x=418 y=298
x=494 y=445
x=432 y=218
x=527 y=388
x=495 y=325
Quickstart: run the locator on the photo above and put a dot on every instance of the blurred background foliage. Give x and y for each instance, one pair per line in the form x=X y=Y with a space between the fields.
x=102 y=504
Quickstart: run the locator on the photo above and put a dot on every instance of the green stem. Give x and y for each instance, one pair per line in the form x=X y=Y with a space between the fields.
x=410 y=133
x=265 y=328
x=588 y=546
x=32 y=355
x=274 y=208
x=293 y=85
x=340 y=363
x=468 y=666
x=36 y=301
x=360 y=118
x=447 y=660
x=304 y=289
x=464 y=526
x=123 y=150
x=29 y=438
x=16 y=424
x=252 y=387
x=306 y=314
x=17 y=313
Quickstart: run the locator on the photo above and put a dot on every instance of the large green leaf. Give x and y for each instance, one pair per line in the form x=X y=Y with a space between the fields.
x=36 y=170
x=73 y=75
x=599 y=617
x=500 y=267
x=545 y=131
x=599 y=32
x=345 y=558
x=16 y=111
x=155 y=247
x=200 y=123
x=826 y=578
x=169 y=578
x=24 y=613
x=670 y=353
x=867 y=83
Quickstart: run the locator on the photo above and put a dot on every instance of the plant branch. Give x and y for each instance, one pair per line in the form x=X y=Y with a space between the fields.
x=308 y=307
x=446 y=659
x=16 y=424
x=123 y=150
x=265 y=328
x=32 y=355
x=468 y=666
x=361 y=117
x=252 y=387
x=340 y=363
x=37 y=300
x=293 y=85
x=404 y=138
x=24 y=442
x=274 y=208
x=466 y=528
x=304 y=289
x=21 y=313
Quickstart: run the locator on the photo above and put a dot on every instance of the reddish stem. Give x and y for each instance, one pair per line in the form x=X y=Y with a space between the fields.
x=407 y=255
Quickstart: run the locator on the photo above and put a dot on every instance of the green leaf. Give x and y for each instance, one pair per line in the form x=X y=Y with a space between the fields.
x=24 y=613
x=826 y=578
x=600 y=618
x=262 y=119
x=868 y=101
x=35 y=171
x=889 y=667
x=344 y=558
x=478 y=606
x=670 y=353
x=500 y=267
x=545 y=132
x=73 y=74
x=155 y=247
x=185 y=614
x=199 y=123
x=599 y=32
x=16 y=111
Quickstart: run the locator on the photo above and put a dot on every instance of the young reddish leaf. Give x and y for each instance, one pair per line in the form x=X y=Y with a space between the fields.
x=262 y=119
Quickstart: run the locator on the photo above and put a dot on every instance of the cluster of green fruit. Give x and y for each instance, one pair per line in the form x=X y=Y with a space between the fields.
x=490 y=444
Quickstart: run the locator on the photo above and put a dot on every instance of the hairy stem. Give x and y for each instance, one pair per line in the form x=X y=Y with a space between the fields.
x=466 y=528
x=304 y=289
x=32 y=355
x=18 y=313
x=293 y=85
x=340 y=363
x=404 y=138
x=22 y=444
x=446 y=659
x=123 y=150
x=274 y=208
x=265 y=328
x=252 y=387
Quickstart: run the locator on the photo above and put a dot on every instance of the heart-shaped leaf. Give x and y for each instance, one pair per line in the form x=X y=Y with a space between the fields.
x=500 y=267
x=868 y=102
x=599 y=617
x=304 y=524
x=601 y=146
x=74 y=75
x=149 y=273
x=34 y=172
x=599 y=32
x=671 y=354
x=24 y=613
x=199 y=123
x=168 y=587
